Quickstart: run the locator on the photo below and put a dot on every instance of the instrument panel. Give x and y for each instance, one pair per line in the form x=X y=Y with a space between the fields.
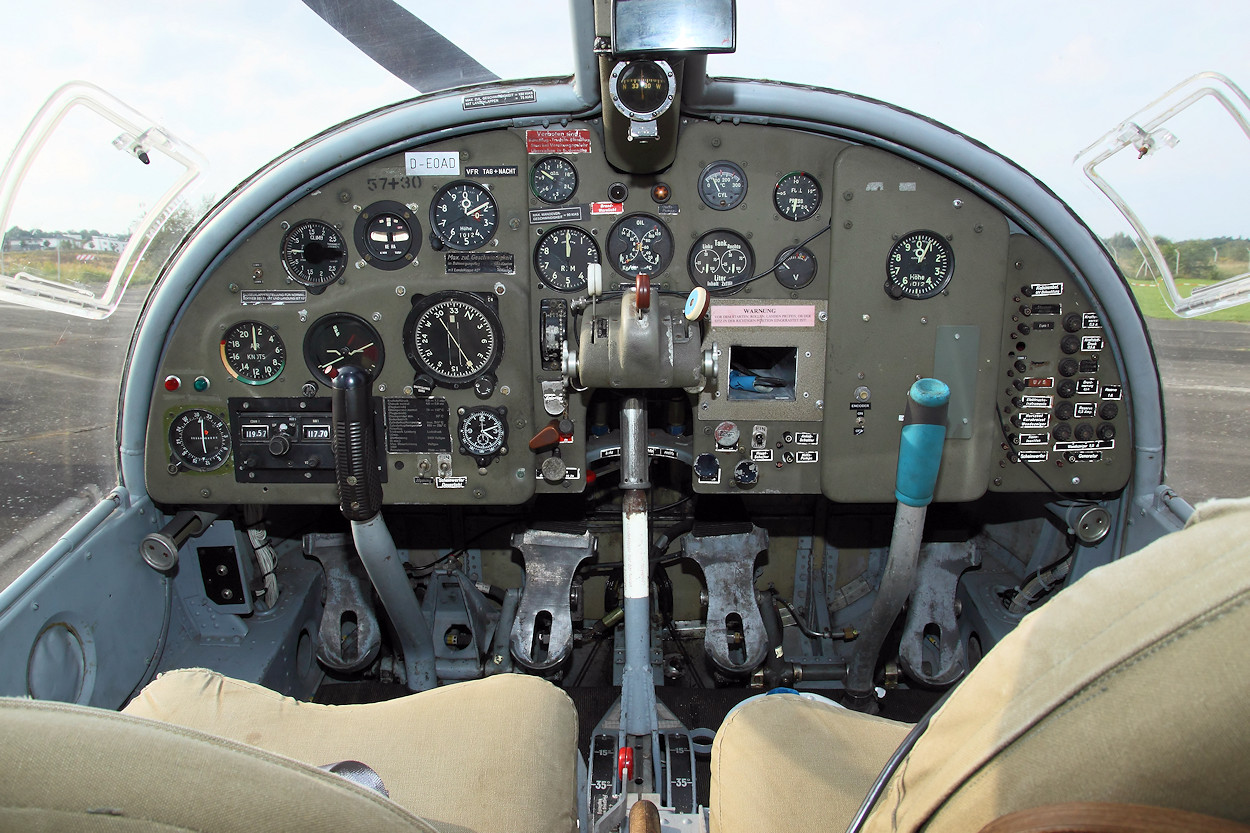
x=836 y=275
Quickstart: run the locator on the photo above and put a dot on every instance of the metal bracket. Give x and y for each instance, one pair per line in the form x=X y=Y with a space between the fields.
x=542 y=635
x=347 y=602
x=734 y=623
x=931 y=649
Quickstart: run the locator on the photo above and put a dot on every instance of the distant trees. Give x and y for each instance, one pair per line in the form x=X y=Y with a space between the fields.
x=1208 y=259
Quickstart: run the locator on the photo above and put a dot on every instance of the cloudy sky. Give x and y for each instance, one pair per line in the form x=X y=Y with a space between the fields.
x=243 y=81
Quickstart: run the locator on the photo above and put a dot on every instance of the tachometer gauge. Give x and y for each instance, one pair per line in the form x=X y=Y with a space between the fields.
x=387 y=235
x=553 y=179
x=797 y=270
x=721 y=261
x=199 y=440
x=453 y=338
x=638 y=244
x=464 y=215
x=314 y=253
x=797 y=196
x=561 y=258
x=253 y=353
x=920 y=265
x=722 y=186
x=340 y=339
x=483 y=433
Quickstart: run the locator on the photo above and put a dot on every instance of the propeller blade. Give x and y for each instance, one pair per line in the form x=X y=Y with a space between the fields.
x=402 y=44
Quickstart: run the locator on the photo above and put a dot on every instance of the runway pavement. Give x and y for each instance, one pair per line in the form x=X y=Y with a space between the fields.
x=59 y=382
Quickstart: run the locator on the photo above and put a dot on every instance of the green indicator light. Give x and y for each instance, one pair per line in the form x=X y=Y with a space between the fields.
x=200 y=383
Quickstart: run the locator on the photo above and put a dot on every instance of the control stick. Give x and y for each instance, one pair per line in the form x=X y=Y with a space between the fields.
x=919 y=457
x=360 y=499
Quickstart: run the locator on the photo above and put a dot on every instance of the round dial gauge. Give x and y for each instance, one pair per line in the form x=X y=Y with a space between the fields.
x=920 y=265
x=453 y=337
x=722 y=186
x=553 y=179
x=387 y=235
x=199 y=439
x=253 y=352
x=314 y=253
x=721 y=261
x=340 y=339
x=464 y=215
x=797 y=269
x=640 y=243
x=797 y=196
x=561 y=258
x=483 y=432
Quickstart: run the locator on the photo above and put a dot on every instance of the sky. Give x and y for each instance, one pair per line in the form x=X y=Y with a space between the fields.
x=244 y=81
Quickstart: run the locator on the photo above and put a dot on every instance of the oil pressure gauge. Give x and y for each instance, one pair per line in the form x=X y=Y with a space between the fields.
x=920 y=265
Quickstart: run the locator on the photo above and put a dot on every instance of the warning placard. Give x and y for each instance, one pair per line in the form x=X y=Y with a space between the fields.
x=557 y=141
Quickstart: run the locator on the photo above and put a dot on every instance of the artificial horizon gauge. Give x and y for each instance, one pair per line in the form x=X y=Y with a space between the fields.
x=463 y=215
x=453 y=337
x=314 y=253
x=797 y=196
x=796 y=269
x=722 y=186
x=483 y=433
x=388 y=235
x=340 y=339
x=920 y=265
x=722 y=261
x=562 y=256
x=640 y=243
x=199 y=440
x=553 y=179
x=253 y=352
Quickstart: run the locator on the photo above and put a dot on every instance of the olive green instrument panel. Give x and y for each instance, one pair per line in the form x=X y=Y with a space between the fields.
x=453 y=273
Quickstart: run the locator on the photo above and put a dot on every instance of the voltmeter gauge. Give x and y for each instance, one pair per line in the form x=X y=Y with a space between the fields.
x=722 y=186
x=340 y=339
x=721 y=261
x=253 y=353
x=314 y=253
x=797 y=196
x=796 y=269
x=453 y=338
x=562 y=256
x=483 y=433
x=553 y=179
x=640 y=243
x=388 y=235
x=199 y=440
x=920 y=265
x=463 y=215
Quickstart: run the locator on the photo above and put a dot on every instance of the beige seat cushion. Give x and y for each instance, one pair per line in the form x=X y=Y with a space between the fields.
x=1129 y=686
x=785 y=763
x=78 y=768
x=489 y=755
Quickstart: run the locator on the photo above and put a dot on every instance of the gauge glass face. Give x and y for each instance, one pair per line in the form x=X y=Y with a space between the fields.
x=920 y=265
x=553 y=179
x=387 y=235
x=453 y=337
x=464 y=215
x=482 y=432
x=314 y=253
x=797 y=196
x=340 y=339
x=721 y=261
x=253 y=352
x=561 y=258
x=722 y=186
x=638 y=244
x=796 y=269
x=199 y=440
